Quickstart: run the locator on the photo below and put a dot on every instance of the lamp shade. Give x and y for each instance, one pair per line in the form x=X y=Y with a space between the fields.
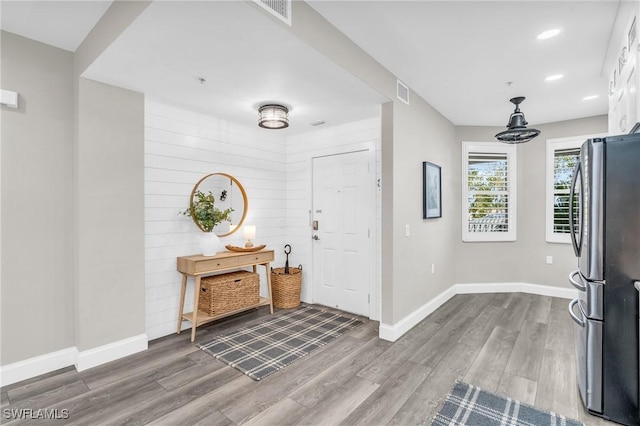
x=249 y=232
x=272 y=116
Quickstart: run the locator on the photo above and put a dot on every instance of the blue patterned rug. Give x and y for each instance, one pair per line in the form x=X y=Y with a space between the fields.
x=470 y=405
x=272 y=344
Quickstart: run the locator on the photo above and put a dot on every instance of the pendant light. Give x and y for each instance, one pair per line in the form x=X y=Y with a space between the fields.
x=273 y=116
x=517 y=131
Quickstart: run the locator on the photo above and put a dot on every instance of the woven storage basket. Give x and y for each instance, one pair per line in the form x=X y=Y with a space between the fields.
x=285 y=288
x=228 y=292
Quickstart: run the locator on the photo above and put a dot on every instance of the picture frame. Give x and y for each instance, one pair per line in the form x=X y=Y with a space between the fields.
x=431 y=190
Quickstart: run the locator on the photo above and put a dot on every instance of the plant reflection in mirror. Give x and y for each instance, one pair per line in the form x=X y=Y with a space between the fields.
x=204 y=211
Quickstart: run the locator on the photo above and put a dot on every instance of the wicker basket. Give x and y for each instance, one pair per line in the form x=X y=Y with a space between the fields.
x=285 y=288
x=224 y=293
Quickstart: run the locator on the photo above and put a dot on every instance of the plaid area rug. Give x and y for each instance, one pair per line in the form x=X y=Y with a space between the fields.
x=272 y=344
x=470 y=405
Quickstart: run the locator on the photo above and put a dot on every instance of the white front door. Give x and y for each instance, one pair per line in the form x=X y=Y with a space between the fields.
x=343 y=244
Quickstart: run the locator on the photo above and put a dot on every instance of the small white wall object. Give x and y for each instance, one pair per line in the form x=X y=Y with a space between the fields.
x=8 y=98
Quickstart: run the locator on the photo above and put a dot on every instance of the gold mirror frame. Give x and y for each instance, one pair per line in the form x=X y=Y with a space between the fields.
x=244 y=200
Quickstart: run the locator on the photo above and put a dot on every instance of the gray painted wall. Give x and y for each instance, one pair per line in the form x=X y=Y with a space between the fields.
x=72 y=199
x=110 y=215
x=37 y=276
x=410 y=135
x=525 y=259
x=107 y=156
x=421 y=134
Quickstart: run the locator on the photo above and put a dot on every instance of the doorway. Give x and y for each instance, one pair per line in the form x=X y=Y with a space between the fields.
x=343 y=215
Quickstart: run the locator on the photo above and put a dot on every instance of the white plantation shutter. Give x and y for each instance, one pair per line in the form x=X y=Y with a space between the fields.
x=489 y=197
x=564 y=163
x=562 y=155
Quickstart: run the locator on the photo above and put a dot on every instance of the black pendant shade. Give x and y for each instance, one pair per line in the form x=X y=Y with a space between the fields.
x=517 y=131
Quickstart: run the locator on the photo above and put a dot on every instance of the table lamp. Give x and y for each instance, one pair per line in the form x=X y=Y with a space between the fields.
x=249 y=233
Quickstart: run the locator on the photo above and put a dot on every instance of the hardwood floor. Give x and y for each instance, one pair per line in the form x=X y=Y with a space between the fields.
x=519 y=345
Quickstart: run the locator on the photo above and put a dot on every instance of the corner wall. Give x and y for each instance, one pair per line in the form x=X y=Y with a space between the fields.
x=410 y=135
x=523 y=260
x=180 y=148
x=109 y=219
x=37 y=260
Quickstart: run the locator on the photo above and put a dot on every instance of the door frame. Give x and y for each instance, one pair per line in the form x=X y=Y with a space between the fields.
x=374 y=241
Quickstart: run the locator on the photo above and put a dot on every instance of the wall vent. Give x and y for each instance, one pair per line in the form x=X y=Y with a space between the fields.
x=403 y=92
x=279 y=8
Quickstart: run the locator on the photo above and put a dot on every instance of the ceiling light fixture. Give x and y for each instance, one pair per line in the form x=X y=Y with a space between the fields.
x=589 y=98
x=273 y=116
x=517 y=131
x=548 y=34
x=554 y=77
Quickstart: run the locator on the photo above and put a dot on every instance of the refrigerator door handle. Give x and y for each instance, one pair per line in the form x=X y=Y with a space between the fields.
x=572 y=225
x=575 y=283
x=575 y=318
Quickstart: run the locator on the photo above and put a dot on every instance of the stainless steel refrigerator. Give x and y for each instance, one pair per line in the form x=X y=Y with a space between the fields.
x=605 y=224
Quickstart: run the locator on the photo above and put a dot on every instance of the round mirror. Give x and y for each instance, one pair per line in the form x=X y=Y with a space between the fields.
x=218 y=204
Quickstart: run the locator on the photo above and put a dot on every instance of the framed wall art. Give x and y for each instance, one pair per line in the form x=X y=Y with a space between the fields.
x=431 y=191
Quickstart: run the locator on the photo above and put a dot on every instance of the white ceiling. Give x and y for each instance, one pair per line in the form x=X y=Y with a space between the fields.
x=62 y=24
x=245 y=58
x=457 y=55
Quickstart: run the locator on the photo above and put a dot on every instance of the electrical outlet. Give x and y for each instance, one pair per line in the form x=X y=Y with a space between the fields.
x=549 y=260
x=407 y=231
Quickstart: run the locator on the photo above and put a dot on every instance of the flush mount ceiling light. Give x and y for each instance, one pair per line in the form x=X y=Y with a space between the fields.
x=273 y=116
x=517 y=131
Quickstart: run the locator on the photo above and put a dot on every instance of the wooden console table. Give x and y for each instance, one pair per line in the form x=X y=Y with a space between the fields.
x=197 y=266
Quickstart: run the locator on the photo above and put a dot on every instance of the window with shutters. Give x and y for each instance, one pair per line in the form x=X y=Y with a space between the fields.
x=562 y=156
x=488 y=191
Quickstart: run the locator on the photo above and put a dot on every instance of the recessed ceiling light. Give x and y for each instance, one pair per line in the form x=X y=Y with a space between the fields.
x=548 y=34
x=554 y=77
x=588 y=98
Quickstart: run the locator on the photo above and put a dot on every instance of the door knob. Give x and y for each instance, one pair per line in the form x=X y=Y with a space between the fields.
x=315 y=237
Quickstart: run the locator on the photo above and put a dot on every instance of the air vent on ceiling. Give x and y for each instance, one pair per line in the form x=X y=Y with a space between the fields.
x=279 y=8
x=403 y=92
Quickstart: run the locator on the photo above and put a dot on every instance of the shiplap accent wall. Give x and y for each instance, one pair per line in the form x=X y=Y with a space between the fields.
x=301 y=149
x=182 y=146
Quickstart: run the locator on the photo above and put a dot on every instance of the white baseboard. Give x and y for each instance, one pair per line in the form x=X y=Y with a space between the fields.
x=395 y=331
x=31 y=367
x=542 y=290
x=110 y=352
x=42 y=364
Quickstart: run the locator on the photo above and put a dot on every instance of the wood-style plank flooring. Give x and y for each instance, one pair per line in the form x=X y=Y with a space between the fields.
x=519 y=345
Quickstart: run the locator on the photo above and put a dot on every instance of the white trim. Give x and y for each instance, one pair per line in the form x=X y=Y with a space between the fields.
x=111 y=351
x=542 y=290
x=512 y=163
x=42 y=364
x=31 y=367
x=395 y=331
